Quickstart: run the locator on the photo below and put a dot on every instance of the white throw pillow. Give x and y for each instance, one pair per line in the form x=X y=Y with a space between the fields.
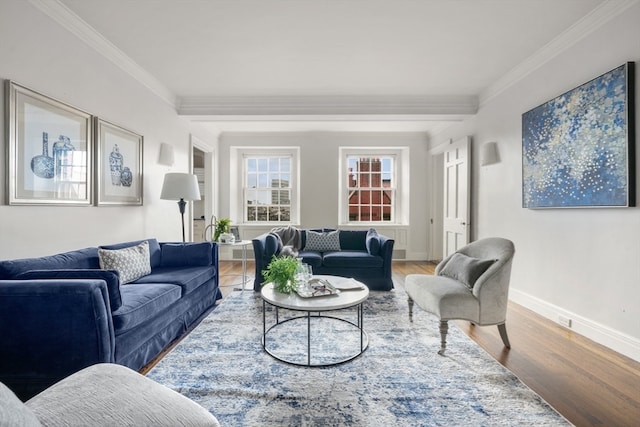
x=322 y=242
x=131 y=263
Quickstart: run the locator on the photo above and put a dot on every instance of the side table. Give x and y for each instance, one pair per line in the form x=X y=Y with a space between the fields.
x=243 y=244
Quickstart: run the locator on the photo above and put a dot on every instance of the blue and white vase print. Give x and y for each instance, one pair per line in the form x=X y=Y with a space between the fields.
x=126 y=177
x=43 y=165
x=115 y=164
x=62 y=157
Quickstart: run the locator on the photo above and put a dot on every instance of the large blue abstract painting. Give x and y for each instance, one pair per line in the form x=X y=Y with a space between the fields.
x=578 y=149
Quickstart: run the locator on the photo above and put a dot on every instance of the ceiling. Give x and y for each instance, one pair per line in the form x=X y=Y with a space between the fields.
x=343 y=64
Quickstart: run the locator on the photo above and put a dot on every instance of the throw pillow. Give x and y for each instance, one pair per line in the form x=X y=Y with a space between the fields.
x=465 y=269
x=373 y=243
x=323 y=242
x=110 y=277
x=186 y=254
x=131 y=263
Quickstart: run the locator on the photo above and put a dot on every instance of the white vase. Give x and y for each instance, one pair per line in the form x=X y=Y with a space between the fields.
x=226 y=238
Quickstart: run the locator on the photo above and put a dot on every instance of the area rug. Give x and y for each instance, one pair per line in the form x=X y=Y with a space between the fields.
x=400 y=380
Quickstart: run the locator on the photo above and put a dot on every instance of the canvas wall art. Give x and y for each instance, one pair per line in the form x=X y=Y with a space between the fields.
x=578 y=148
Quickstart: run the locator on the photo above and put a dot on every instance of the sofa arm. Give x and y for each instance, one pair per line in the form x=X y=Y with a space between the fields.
x=386 y=252
x=265 y=246
x=50 y=329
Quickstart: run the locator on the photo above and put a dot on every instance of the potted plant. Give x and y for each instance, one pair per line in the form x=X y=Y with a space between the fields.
x=218 y=227
x=281 y=272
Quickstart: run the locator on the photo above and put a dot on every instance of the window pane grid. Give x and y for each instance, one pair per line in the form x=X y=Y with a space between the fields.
x=262 y=202
x=370 y=188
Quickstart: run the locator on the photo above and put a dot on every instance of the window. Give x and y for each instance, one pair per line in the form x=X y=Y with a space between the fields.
x=268 y=185
x=371 y=189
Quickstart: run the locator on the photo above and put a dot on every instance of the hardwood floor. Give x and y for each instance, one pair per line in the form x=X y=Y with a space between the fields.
x=587 y=383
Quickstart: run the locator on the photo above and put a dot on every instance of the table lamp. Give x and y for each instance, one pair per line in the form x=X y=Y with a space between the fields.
x=180 y=187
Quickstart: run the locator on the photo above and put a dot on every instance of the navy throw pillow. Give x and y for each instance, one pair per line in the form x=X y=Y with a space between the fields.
x=373 y=242
x=110 y=276
x=187 y=254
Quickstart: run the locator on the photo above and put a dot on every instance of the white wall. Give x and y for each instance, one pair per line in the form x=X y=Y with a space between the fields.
x=42 y=55
x=580 y=263
x=319 y=178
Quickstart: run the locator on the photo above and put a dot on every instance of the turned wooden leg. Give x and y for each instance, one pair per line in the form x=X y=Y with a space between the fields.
x=502 y=328
x=444 y=328
x=410 y=301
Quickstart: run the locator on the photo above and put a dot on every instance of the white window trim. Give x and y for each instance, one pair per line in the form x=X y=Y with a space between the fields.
x=401 y=176
x=236 y=203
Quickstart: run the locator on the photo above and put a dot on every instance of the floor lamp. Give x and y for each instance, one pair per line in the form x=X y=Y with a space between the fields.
x=180 y=187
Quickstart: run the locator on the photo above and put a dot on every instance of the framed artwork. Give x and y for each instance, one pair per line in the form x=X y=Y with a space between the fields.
x=49 y=150
x=236 y=233
x=118 y=165
x=578 y=150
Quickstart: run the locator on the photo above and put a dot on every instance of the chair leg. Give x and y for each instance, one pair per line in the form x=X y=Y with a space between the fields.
x=410 y=301
x=502 y=328
x=444 y=328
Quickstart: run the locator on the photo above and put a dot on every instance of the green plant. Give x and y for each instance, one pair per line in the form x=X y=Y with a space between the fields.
x=281 y=271
x=220 y=226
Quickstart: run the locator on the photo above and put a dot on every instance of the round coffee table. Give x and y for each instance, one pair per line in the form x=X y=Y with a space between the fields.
x=316 y=310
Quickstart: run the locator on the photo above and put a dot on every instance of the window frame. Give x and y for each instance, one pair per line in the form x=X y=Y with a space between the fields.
x=239 y=155
x=400 y=178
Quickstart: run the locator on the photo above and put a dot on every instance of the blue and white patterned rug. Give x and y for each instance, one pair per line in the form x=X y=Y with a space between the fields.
x=398 y=381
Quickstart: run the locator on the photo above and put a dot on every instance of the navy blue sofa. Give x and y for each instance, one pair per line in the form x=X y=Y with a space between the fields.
x=62 y=313
x=364 y=255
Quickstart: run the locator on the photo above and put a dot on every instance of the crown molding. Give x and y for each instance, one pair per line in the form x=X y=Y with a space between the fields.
x=78 y=27
x=326 y=105
x=572 y=35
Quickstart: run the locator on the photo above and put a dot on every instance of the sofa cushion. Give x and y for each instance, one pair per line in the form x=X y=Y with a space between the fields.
x=351 y=259
x=323 y=242
x=373 y=242
x=155 y=253
x=353 y=240
x=13 y=412
x=188 y=278
x=132 y=262
x=186 y=254
x=111 y=277
x=141 y=302
x=465 y=269
x=82 y=258
x=113 y=395
x=314 y=259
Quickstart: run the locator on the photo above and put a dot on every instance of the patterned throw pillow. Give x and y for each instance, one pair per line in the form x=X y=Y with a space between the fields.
x=131 y=263
x=323 y=242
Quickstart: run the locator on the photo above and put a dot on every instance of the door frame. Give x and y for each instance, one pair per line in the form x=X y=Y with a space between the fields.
x=210 y=183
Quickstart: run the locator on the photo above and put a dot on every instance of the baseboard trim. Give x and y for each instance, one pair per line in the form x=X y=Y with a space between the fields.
x=615 y=340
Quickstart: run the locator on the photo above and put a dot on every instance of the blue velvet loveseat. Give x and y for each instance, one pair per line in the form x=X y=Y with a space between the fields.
x=121 y=304
x=364 y=255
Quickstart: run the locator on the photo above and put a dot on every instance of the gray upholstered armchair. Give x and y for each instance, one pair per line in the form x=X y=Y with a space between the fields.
x=471 y=284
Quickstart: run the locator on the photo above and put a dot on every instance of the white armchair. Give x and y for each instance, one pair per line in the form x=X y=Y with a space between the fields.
x=471 y=284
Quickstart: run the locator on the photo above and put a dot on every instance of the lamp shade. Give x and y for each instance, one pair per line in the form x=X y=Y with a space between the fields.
x=178 y=186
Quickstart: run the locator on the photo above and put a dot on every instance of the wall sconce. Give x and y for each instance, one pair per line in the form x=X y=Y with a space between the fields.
x=167 y=156
x=489 y=154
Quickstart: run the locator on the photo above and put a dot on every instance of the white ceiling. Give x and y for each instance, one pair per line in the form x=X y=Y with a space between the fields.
x=254 y=64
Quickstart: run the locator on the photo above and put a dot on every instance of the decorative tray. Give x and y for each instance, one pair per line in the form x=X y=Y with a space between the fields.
x=317 y=288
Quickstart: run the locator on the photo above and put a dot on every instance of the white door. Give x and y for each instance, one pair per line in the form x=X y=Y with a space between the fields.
x=456 y=196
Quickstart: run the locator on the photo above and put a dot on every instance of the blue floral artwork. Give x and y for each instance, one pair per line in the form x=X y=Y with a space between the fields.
x=576 y=148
